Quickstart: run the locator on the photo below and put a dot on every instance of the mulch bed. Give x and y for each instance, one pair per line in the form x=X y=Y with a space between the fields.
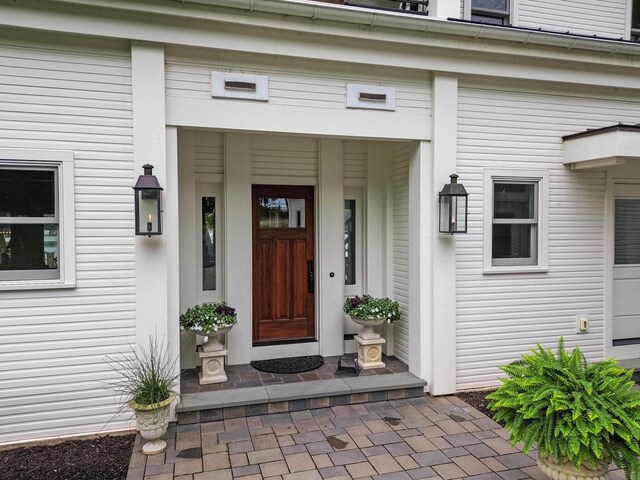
x=477 y=400
x=104 y=458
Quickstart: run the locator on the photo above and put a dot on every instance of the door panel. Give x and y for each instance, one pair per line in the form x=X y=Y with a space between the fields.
x=283 y=241
x=626 y=269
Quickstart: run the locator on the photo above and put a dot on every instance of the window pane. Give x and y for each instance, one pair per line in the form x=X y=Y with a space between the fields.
x=491 y=4
x=627 y=231
x=512 y=241
x=29 y=247
x=282 y=212
x=208 y=243
x=635 y=15
x=488 y=19
x=349 y=242
x=27 y=193
x=514 y=200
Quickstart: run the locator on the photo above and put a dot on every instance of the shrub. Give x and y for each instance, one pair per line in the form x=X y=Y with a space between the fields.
x=370 y=307
x=575 y=411
x=208 y=317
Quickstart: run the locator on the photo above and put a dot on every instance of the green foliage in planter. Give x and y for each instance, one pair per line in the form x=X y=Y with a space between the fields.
x=146 y=375
x=367 y=306
x=575 y=411
x=208 y=317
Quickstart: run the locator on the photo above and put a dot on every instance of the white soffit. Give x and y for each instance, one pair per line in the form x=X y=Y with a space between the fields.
x=602 y=147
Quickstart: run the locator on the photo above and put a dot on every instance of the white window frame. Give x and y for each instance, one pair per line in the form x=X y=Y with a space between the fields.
x=541 y=179
x=354 y=193
x=207 y=189
x=62 y=162
x=467 y=10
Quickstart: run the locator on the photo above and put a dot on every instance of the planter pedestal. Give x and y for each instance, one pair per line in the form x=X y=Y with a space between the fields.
x=370 y=351
x=212 y=366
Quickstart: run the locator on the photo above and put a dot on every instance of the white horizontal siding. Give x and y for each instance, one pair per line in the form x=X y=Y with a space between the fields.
x=298 y=87
x=586 y=17
x=400 y=249
x=501 y=316
x=284 y=159
x=208 y=153
x=53 y=342
x=354 y=160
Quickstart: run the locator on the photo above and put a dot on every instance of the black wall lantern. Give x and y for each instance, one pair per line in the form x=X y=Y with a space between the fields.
x=148 y=203
x=453 y=207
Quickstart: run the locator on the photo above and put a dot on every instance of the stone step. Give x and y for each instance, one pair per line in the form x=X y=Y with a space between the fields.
x=287 y=397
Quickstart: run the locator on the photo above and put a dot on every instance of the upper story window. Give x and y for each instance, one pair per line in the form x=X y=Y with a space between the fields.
x=495 y=12
x=635 y=21
x=36 y=220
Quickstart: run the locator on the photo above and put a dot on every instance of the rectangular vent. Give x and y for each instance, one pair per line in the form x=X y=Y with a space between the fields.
x=371 y=97
x=242 y=86
x=231 y=85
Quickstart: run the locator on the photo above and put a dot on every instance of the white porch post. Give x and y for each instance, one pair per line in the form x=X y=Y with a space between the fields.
x=420 y=234
x=331 y=248
x=149 y=146
x=172 y=233
x=238 y=242
x=444 y=9
x=443 y=252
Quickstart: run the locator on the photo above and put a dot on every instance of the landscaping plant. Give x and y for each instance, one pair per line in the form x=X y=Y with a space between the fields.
x=146 y=375
x=208 y=317
x=368 y=307
x=577 y=412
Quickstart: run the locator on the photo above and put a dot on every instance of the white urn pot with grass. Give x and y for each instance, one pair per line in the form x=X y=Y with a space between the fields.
x=371 y=312
x=147 y=380
x=213 y=321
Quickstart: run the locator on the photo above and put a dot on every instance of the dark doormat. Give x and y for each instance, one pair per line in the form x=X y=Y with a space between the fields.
x=289 y=365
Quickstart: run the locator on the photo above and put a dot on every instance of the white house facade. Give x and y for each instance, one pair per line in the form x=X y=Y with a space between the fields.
x=339 y=125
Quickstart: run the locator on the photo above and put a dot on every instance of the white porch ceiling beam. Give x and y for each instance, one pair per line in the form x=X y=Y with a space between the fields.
x=613 y=146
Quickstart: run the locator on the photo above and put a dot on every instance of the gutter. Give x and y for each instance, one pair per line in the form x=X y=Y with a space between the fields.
x=419 y=23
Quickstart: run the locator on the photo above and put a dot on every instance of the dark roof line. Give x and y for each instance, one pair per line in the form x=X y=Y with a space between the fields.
x=620 y=127
x=544 y=30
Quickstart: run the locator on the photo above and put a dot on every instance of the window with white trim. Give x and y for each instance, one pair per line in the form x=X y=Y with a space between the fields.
x=515 y=221
x=353 y=242
x=494 y=12
x=36 y=233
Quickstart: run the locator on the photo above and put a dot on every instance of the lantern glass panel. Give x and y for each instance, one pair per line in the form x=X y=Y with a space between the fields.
x=459 y=214
x=445 y=213
x=149 y=209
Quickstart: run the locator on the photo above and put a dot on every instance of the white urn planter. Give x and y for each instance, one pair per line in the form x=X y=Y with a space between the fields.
x=369 y=343
x=567 y=471
x=212 y=353
x=152 y=422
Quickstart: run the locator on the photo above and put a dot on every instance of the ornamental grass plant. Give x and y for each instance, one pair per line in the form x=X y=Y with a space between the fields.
x=368 y=307
x=146 y=375
x=576 y=412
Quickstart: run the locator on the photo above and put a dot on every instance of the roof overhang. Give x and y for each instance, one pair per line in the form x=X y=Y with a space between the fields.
x=602 y=147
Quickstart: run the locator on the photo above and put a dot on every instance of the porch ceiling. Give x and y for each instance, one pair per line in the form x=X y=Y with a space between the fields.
x=602 y=147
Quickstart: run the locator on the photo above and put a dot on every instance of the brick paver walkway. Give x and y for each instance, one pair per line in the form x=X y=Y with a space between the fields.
x=424 y=437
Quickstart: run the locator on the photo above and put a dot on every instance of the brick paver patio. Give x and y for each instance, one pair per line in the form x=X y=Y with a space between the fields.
x=424 y=437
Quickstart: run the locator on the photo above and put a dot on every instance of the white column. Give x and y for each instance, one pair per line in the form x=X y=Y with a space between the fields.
x=375 y=267
x=331 y=248
x=444 y=9
x=238 y=243
x=172 y=235
x=420 y=234
x=149 y=146
x=443 y=255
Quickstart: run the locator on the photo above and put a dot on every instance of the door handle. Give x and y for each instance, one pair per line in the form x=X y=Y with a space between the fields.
x=310 y=277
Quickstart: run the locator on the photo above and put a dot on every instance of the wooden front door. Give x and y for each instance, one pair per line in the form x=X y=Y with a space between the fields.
x=283 y=263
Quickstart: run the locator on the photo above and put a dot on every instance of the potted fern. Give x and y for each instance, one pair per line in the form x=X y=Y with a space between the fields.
x=582 y=416
x=147 y=378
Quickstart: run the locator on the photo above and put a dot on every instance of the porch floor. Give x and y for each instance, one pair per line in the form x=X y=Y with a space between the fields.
x=245 y=376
